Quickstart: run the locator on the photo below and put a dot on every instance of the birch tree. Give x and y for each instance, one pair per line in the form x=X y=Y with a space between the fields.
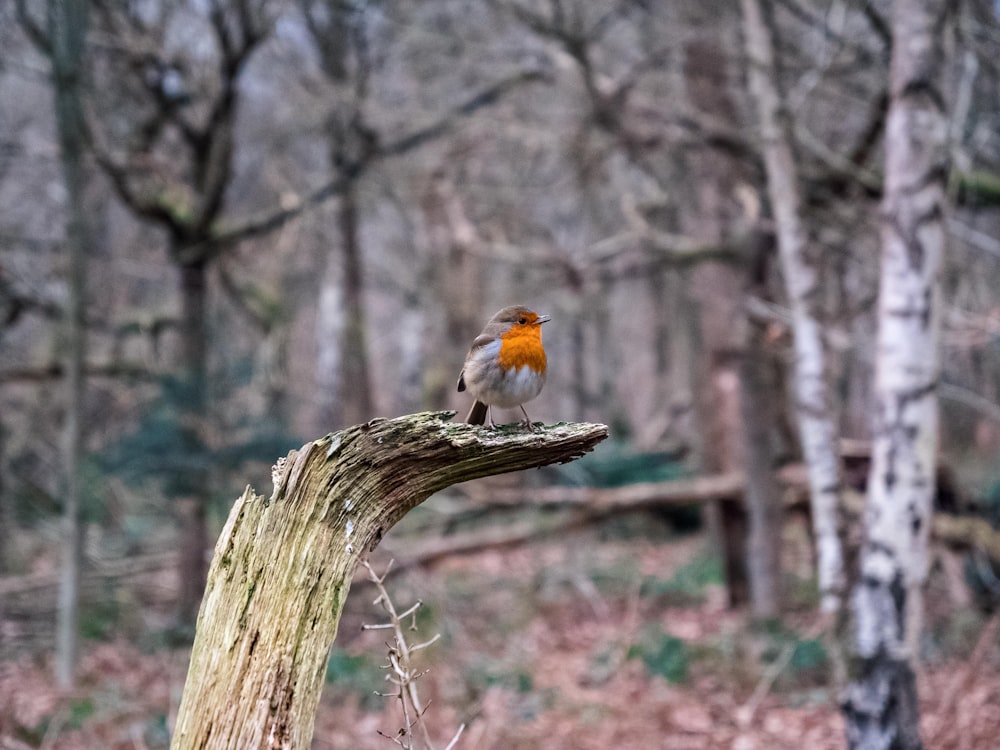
x=812 y=399
x=881 y=708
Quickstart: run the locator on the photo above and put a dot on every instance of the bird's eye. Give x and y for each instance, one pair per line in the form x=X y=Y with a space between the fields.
x=522 y=321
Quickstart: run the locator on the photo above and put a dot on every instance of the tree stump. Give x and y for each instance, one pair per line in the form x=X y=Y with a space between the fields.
x=283 y=564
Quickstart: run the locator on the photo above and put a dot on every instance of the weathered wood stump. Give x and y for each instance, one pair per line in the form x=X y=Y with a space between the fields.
x=283 y=564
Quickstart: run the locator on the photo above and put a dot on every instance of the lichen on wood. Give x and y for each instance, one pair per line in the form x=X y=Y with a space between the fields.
x=283 y=564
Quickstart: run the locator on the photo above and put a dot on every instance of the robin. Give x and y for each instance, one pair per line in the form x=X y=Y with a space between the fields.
x=506 y=365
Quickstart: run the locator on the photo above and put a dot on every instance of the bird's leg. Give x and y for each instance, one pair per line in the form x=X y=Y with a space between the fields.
x=489 y=417
x=527 y=420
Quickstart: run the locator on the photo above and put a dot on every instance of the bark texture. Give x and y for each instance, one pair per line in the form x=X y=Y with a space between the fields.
x=812 y=399
x=283 y=565
x=881 y=708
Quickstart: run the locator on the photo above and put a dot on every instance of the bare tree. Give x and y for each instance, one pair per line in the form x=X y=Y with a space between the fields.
x=356 y=144
x=172 y=168
x=881 y=709
x=801 y=274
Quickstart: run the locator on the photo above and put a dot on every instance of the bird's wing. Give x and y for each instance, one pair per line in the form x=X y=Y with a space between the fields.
x=482 y=340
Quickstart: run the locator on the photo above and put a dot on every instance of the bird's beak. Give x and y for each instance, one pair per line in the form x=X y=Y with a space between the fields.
x=543 y=319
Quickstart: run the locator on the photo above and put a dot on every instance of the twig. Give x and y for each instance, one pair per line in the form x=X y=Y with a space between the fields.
x=745 y=713
x=398 y=663
x=748 y=710
x=454 y=740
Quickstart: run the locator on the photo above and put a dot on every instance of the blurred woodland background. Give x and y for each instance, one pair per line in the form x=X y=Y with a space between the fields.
x=227 y=228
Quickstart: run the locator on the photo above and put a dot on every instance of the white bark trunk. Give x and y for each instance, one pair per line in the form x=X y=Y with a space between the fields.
x=815 y=419
x=881 y=708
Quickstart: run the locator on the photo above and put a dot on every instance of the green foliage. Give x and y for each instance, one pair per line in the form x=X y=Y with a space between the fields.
x=484 y=673
x=358 y=674
x=808 y=662
x=517 y=681
x=977 y=188
x=802 y=593
x=663 y=654
x=990 y=503
x=165 y=446
x=80 y=709
x=100 y=617
x=809 y=656
x=687 y=585
x=614 y=464
x=526 y=702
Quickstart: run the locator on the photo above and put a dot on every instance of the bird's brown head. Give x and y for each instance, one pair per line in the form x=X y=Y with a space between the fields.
x=514 y=317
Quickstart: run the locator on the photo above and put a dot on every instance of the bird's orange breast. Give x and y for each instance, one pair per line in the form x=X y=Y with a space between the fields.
x=520 y=346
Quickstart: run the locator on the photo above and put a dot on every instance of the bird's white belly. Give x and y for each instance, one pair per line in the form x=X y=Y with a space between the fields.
x=515 y=387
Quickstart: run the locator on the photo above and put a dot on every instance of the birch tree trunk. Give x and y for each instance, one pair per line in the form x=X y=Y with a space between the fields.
x=67 y=25
x=881 y=709
x=812 y=400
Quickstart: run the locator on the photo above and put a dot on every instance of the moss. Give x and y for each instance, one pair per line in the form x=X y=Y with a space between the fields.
x=977 y=188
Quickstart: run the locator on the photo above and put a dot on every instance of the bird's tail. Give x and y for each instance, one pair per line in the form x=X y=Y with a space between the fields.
x=477 y=414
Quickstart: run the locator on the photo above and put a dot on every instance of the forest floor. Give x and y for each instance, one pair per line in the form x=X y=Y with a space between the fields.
x=595 y=639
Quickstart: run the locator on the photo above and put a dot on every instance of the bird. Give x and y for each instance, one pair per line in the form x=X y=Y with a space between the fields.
x=506 y=365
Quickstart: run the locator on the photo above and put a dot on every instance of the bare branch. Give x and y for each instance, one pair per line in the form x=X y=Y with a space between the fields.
x=149 y=209
x=56 y=371
x=33 y=29
x=268 y=223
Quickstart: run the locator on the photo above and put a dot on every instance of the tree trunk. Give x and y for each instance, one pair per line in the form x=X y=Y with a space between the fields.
x=459 y=284
x=682 y=359
x=67 y=26
x=356 y=389
x=720 y=292
x=812 y=399
x=6 y=516
x=283 y=565
x=193 y=511
x=763 y=496
x=881 y=708
x=412 y=362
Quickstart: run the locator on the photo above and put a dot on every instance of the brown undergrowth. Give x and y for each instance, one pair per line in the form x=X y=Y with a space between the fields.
x=578 y=642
